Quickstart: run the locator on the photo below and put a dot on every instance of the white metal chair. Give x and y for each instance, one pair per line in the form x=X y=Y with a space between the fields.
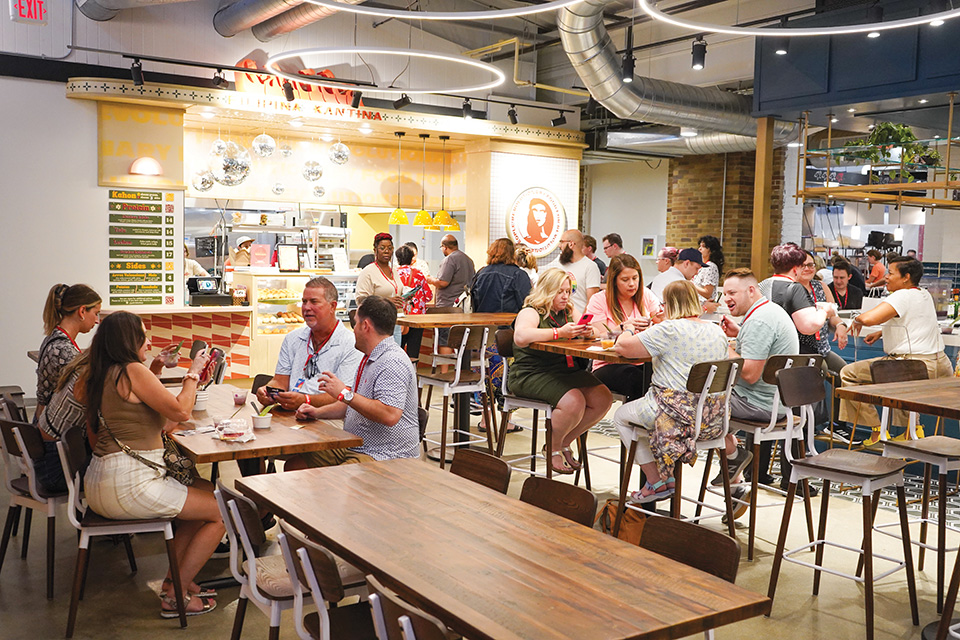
x=318 y=574
x=802 y=387
x=462 y=380
x=395 y=619
x=73 y=456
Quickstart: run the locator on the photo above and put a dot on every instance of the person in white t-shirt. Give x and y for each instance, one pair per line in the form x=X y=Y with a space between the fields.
x=910 y=330
x=586 y=274
x=688 y=264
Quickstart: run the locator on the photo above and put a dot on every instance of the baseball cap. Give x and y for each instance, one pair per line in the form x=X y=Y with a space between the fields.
x=243 y=239
x=693 y=255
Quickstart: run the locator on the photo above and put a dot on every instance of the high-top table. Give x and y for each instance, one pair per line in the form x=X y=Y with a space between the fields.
x=581 y=348
x=492 y=567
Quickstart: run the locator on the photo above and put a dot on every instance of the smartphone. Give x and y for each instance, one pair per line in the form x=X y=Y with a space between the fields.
x=273 y=391
x=216 y=356
x=585 y=319
x=411 y=293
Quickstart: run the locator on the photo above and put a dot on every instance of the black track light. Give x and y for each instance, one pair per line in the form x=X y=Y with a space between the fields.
x=781 y=45
x=402 y=102
x=874 y=16
x=467 y=110
x=218 y=79
x=626 y=66
x=355 y=100
x=559 y=120
x=591 y=109
x=136 y=72
x=288 y=91
x=512 y=114
x=699 y=53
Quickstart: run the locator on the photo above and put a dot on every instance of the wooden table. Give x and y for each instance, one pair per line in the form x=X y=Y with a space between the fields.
x=34 y=355
x=281 y=439
x=940 y=397
x=493 y=567
x=578 y=349
x=446 y=320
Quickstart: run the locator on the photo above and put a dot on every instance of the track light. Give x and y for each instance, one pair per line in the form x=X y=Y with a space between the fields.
x=512 y=114
x=874 y=16
x=781 y=46
x=626 y=65
x=136 y=72
x=699 y=52
x=591 y=109
x=467 y=111
x=402 y=102
x=218 y=79
x=355 y=100
x=288 y=91
x=559 y=120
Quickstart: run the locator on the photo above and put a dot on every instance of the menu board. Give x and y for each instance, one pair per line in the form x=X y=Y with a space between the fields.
x=143 y=249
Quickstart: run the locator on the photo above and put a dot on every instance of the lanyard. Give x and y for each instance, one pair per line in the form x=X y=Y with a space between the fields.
x=392 y=282
x=843 y=300
x=60 y=329
x=363 y=363
x=311 y=356
x=624 y=313
x=752 y=310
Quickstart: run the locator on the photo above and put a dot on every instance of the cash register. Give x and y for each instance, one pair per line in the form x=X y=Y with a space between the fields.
x=205 y=292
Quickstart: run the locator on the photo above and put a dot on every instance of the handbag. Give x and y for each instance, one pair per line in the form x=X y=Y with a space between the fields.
x=631 y=525
x=176 y=465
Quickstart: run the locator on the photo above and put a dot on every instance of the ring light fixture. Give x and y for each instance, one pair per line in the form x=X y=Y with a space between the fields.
x=935 y=19
x=405 y=14
x=273 y=62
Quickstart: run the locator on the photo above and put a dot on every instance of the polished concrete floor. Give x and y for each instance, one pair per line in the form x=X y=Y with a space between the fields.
x=124 y=606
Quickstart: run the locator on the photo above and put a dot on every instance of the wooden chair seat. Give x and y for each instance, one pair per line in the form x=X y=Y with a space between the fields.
x=855 y=463
x=22 y=484
x=272 y=578
x=758 y=424
x=934 y=445
x=465 y=376
x=91 y=519
x=352 y=621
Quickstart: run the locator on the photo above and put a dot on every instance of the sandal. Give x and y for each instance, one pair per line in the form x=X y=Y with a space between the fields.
x=209 y=605
x=203 y=592
x=568 y=456
x=513 y=428
x=565 y=469
x=654 y=494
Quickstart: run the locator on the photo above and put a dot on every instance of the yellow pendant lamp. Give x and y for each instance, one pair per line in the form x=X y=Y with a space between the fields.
x=423 y=216
x=399 y=216
x=443 y=216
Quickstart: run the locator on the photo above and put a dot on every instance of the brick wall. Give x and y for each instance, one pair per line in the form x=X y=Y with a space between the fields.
x=695 y=198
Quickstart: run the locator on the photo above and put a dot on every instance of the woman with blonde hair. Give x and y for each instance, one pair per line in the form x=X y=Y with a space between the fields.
x=578 y=398
x=667 y=412
x=527 y=262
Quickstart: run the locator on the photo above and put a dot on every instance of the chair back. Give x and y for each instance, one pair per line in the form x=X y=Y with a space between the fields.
x=423 y=417
x=504 y=339
x=260 y=380
x=73 y=458
x=244 y=531
x=706 y=378
x=30 y=443
x=882 y=371
x=775 y=363
x=395 y=619
x=567 y=500
x=800 y=387
x=482 y=468
x=467 y=340
x=14 y=466
x=13 y=407
x=325 y=582
x=693 y=545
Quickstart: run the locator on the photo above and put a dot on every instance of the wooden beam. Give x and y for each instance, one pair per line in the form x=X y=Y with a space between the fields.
x=762 y=196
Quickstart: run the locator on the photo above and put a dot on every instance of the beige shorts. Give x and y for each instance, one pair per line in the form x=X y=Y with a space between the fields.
x=119 y=486
x=334 y=457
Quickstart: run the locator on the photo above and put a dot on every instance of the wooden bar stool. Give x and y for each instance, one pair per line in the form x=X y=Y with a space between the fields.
x=802 y=387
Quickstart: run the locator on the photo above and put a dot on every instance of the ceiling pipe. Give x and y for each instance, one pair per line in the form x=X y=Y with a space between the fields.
x=591 y=52
x=293 y=19
x=230 y=20
x=103 y=10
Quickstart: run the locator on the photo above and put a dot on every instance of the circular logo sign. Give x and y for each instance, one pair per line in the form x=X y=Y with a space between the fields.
x=537 y=220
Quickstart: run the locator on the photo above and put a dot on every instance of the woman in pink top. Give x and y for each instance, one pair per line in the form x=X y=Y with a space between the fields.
x=624 y=304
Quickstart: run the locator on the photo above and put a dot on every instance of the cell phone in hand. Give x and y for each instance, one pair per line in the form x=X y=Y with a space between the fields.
x=273 y=392
x=411 y=293
x=585 y=319
x=216 y=357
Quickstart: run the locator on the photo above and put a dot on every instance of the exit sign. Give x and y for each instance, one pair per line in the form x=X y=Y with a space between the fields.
x=29 y=11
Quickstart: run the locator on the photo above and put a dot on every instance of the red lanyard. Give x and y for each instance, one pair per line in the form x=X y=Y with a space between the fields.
x=311 y=356
x=843 y=300
x=363 y=363
x=780 y=275
x=752 y=310
x=60 y=329
x=624 y=313
x=393 y=283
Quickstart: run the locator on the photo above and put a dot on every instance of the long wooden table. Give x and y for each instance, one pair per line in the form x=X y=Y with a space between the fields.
x=286 y=436
x=940 y=397
x=579 y=348
x=446 y=320
x=493 y=567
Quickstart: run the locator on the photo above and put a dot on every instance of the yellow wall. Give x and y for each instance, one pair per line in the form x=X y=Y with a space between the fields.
x=363 y=227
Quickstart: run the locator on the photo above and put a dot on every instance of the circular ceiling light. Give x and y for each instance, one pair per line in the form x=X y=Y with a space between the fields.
x=498 y=75
x=656 y=14
x=404 y=14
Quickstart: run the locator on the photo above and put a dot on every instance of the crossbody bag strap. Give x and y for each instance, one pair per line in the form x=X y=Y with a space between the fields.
x=130 y=452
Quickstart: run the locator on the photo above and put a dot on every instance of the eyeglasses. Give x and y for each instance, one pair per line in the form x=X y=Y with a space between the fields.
x=809 y=266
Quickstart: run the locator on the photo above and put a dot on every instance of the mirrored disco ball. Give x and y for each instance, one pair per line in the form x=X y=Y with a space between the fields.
x=339 y=153
x=319 y=191
x=231 y=168
x=264 y=145
x=218 y=147
x=286 y=151
x=278 y=188
x=312 y=171
x=203 y=180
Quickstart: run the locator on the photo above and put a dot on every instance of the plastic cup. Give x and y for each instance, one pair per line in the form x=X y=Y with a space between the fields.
x=201 y=403
x=262 y=422
x=607 y=343
x=239 y=397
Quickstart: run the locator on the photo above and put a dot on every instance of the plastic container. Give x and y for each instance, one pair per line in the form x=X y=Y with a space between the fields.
x=262 y=422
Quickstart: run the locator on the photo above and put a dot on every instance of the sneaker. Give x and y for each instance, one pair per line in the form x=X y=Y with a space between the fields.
x=814 y=491
x=735 y=466
x=742 y=494
x=842 y=435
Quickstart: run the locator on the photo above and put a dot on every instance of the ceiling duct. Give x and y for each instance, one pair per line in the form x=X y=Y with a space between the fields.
x=294 y=19
x=268 y=19
x=102 y=10
x=591 y=52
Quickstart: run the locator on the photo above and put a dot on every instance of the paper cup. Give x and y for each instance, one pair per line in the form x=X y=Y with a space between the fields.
x=201 y=403
x=239 y=397
x=262 y=422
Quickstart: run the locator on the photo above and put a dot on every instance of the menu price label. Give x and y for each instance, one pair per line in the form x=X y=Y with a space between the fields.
x=135 y=254
x=136 y=288
x=142 y=252
x=135 y=301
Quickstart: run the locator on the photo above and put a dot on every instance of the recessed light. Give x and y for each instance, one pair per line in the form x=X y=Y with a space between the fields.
x=936 y=137
x=365 y=129
x=296 y=123
x=924 y=101
x=327 y=137
x=207 y=114
x=873 y=34
x=851 y=110
x=834 y=120
x=793 y=145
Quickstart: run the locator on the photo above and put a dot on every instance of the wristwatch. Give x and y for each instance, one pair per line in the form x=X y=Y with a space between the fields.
x=346 y=395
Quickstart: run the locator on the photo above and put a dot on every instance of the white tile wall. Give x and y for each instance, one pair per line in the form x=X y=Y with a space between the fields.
x=792 y=211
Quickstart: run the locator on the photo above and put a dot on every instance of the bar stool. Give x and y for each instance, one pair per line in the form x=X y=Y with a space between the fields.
x=802 y=387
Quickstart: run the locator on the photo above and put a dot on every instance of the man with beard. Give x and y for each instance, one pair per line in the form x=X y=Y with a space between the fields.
x=586 y=275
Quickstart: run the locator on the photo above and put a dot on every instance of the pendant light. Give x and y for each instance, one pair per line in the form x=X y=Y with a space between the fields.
x=398 y=216
x=443 y=216
x=898 y=232
x=855 y=229
x=423 y=217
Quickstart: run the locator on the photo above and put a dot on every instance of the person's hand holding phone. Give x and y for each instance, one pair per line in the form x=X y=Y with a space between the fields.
x=571 y=330
x=730 y=328
x=199 y=364
x=265 y=396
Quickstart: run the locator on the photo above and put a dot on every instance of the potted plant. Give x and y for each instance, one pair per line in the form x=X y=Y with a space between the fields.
x=878 y=149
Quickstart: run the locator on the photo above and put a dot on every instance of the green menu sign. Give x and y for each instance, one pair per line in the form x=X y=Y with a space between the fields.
x=119 y=194
x=136 y=242
x=133 y=301
x=135 y=254
x=119 y=276
x=132 y=218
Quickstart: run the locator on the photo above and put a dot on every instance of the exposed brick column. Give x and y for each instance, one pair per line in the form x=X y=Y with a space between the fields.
x=695 y=199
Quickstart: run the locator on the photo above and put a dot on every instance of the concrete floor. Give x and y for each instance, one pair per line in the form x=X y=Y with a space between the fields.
x=124 y=606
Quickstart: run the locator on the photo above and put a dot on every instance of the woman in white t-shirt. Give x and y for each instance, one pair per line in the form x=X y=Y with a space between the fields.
x=708 y=278
x=910 y=330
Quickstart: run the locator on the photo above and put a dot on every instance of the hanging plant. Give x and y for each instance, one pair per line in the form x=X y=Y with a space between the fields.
x=878 y=147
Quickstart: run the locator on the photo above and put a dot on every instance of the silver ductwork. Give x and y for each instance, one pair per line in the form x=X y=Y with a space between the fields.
x=294 y=19
x=230 y=20
x=102 y=10
x=591 y=52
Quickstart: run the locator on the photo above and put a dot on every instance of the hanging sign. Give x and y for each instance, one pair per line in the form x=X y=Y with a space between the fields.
x=536 y=219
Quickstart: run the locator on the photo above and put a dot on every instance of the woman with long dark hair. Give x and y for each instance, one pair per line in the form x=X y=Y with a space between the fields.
x=127 y=409
x=708 y=278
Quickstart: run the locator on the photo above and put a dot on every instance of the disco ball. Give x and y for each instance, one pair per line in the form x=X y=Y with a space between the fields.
x=232 y=167
x=312 y=171
x=203 y=180
x=278 y=188
x=339 y=153
x=264 y=145
x=218 y=147
x=286 y=151
x=319 y=191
